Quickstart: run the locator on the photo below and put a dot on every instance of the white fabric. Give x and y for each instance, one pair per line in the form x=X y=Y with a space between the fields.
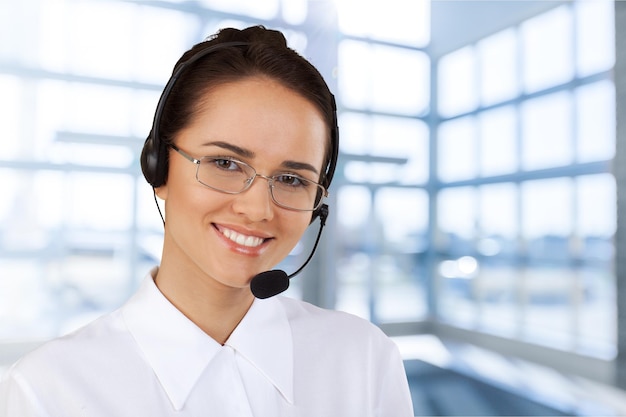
x=286 y=358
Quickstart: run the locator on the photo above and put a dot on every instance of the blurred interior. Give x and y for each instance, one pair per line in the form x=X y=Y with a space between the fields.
x=474 y=214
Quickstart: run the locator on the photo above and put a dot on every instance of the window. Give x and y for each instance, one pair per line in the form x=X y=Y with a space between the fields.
x=380 y=85
x=384 y=92
x=78 y=223
x=526 y=208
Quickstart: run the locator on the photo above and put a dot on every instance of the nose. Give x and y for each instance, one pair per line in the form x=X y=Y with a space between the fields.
x=256 y=201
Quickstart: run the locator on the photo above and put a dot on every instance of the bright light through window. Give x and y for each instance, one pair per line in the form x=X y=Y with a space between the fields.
x=457 y=82
x=548 y=55
x=405 y=22
x=377 y=77
x=547 y=208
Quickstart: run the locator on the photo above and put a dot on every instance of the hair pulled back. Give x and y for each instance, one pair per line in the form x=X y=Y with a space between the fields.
x=265 y=54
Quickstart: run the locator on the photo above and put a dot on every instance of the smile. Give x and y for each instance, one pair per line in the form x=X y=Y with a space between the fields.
x=241 y=239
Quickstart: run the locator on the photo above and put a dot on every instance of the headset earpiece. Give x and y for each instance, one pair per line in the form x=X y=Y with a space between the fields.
x=149 y=161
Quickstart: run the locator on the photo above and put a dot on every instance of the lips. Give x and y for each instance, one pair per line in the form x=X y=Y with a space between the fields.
x=240 y=238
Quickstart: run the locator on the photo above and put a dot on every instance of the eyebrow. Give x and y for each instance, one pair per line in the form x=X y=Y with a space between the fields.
x=234 y=148
x=246 y=153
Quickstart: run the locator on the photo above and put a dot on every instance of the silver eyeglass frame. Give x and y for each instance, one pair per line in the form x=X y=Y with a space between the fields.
x=250 y=180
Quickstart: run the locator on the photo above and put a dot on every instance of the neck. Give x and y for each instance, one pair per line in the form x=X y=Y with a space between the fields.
x=213 y=307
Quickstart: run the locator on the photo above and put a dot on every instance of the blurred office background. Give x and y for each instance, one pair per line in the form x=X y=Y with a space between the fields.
x=474 y=214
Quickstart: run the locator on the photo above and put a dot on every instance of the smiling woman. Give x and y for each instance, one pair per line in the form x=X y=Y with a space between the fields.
x=194 y=340
x=270 y=125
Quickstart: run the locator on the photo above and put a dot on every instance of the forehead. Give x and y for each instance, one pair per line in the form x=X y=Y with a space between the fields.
x=261 y=114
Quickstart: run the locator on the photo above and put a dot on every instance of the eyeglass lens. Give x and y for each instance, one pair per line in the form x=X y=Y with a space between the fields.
x=230 y=176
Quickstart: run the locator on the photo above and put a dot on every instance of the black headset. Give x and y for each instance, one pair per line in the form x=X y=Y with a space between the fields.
x=154 y=155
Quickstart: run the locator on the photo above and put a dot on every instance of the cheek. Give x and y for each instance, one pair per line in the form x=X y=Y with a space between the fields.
x=294 y=228
x=189 y=203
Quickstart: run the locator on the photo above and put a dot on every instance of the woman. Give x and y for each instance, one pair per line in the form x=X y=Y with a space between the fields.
x=242 y=150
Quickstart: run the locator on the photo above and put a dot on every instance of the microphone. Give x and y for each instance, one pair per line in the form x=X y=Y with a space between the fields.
x=270 y=283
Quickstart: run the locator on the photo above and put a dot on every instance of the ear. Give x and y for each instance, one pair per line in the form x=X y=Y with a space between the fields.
x=161 y=192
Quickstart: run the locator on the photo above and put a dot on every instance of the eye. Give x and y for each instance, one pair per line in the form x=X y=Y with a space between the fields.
x=224 y=164
x=291 y=180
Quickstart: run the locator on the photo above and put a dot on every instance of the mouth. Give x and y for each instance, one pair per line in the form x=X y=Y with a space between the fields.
x=240 y=238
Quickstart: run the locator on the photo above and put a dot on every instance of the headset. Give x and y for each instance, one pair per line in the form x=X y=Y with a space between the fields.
x=154 y=155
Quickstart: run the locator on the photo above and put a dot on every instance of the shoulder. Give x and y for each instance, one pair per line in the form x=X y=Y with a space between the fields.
x=332 y=325
x=298 y=310
x=81 y=346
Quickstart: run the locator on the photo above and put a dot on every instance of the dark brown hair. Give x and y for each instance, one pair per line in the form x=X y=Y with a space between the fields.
x=265 y=53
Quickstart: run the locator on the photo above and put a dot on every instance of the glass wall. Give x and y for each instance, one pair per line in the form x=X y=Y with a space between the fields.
x=526 y=207
x=474 y=189
x=384 y=94
x=78 y=223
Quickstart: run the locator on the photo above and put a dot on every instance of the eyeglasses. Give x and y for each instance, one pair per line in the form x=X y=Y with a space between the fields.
x=230 y=176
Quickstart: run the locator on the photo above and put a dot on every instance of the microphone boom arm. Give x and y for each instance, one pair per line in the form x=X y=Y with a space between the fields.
x=270 y=283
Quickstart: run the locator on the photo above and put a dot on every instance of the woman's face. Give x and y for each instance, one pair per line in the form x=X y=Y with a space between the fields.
x=227 y=238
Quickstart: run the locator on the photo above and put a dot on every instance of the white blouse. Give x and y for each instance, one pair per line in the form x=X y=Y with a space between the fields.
x=285 y=358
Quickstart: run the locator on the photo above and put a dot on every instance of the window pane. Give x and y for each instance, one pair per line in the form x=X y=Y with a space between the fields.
x=354 y=204
x=456 y=84
x=354 y=275
x=547 y=42
x=51 y=187
x=354 y=263
x=156 y=50
x=498 y=67
x=547 y=217
x=137 y=49
x=402 y=215
x=547 y=139
x=497 y=278
x=547 y=313
x=79 y=39
x=81 y=108
x=373 y=172
x=598 y=315
x=377 y=77
x=294 y=11
x=456 y=211
x=595 y=229
x=498 y=141
x=100 y=201
x=398 y=21
x=144 y=106
x=10 y=192
x=496 y=290
x=596 y=202
x=595 y=121
x=498 y=215
x=457 y=152
x=264 y=9
x=64 y=262
x=11 y=110
x=456 y=284
x=548 y=281
x=390 y=137
x=16 y=22
x=595 y=36
x=24 y=304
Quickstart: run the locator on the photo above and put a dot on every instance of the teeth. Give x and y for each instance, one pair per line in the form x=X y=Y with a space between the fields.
x=243 y=240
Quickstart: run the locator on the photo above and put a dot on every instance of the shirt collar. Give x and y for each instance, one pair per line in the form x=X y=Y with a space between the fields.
x=179 y=351
x=263 y=337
